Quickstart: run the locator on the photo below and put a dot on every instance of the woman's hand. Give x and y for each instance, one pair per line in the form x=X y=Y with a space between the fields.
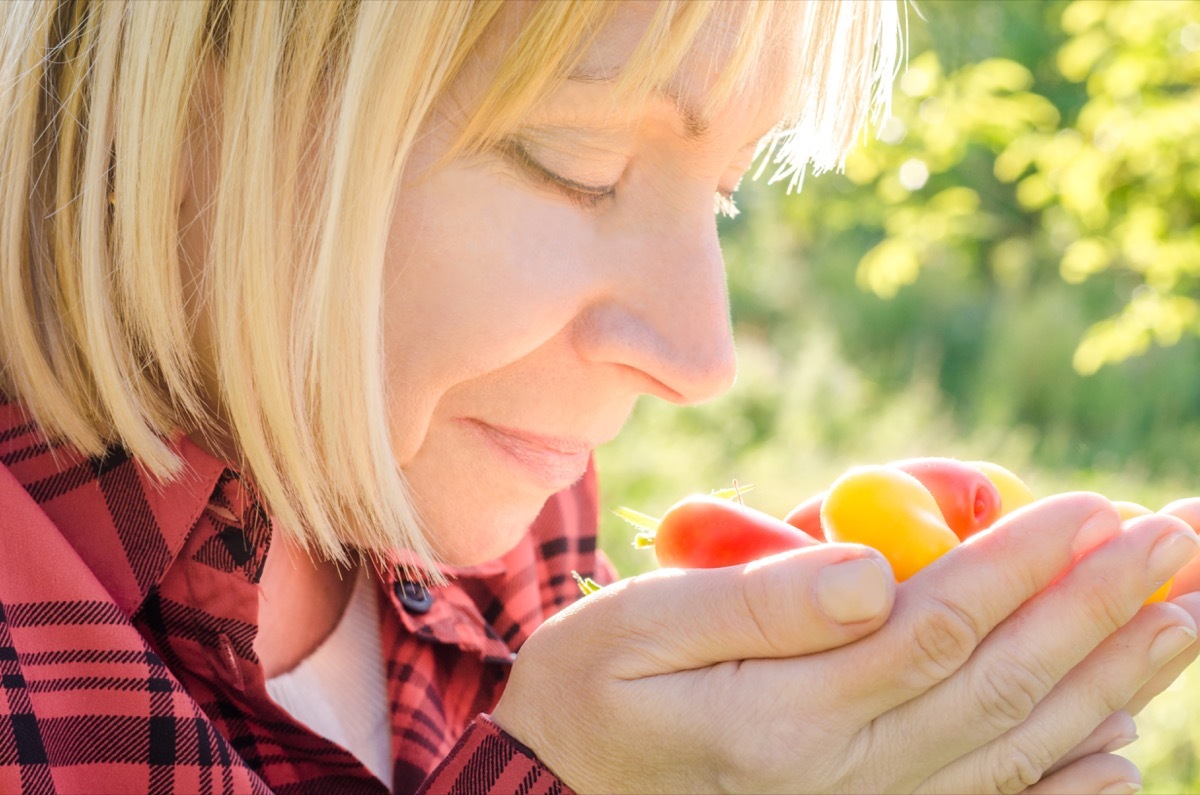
x=994 y=666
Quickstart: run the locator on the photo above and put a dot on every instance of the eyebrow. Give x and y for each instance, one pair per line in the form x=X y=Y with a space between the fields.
x=696 y=125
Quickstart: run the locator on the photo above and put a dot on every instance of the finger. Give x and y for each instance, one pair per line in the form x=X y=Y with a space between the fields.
x=944 y=611
x=787 y=605
x=1026 y=657
x=1104 y=774
x=1084 y=698
x=1178 y=664
x=1187 y=580
x=1117 y=731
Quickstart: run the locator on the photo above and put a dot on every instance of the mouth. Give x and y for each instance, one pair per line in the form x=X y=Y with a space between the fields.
x=552 y=462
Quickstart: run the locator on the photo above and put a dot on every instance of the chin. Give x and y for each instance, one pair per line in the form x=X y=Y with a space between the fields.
x=467 y=538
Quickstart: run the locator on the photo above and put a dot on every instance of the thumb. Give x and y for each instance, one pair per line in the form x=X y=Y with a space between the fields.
x=795 y=603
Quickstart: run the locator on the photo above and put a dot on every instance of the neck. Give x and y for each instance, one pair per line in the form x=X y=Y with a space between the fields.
x=300 y=603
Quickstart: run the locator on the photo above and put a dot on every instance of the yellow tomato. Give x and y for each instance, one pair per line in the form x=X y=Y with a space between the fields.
x=1130 y=510
x=890 y=510
x=1014 y=493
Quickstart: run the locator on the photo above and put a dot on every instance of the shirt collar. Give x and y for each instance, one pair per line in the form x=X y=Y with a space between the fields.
x=129 y=529
x=127 y=526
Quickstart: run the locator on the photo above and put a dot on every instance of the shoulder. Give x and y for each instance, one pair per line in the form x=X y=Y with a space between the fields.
x=115 y=520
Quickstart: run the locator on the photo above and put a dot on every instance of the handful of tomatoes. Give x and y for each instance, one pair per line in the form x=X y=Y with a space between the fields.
x=912 y=511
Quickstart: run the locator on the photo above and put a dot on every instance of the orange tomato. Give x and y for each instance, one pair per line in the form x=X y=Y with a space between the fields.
x=890 y=510
x=1132 y=510
x=1161 y=594
x=1187 y=579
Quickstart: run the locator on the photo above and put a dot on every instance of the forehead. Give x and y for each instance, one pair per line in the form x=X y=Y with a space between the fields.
x=703 y=58
x=696 y=82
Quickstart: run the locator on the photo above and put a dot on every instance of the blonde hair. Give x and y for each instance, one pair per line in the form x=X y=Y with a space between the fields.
x=97 y=98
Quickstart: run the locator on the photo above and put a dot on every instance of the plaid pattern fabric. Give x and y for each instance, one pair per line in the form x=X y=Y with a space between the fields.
x=128 y=615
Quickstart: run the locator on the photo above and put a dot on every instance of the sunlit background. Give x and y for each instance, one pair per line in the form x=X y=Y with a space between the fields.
x=1010 y=272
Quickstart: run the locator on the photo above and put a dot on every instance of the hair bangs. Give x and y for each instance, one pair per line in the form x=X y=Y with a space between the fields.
x=843 y=61
x=835 y=61
x=551 y=40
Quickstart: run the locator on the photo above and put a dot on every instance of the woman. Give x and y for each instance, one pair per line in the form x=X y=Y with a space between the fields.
x=312 y=314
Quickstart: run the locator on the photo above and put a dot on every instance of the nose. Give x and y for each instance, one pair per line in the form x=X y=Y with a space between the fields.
x=663 y=314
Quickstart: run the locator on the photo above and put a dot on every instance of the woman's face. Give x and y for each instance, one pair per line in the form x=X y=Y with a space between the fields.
x=534 y=292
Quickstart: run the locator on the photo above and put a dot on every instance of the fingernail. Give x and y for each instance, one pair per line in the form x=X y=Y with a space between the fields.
x=1170 y=553
x=1122 y=788
x=854 y=590
x=1119 y=743
x=1169 y=642
x=1102 y=526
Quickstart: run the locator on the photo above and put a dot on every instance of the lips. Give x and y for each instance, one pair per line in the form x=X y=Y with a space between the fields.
x=550 y=461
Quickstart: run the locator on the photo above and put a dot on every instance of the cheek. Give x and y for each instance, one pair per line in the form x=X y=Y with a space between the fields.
x=478 y=276
x=478 y=273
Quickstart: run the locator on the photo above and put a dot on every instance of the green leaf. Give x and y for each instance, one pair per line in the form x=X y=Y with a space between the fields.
x=588 y=585
x=647 y=524
x=733 y=492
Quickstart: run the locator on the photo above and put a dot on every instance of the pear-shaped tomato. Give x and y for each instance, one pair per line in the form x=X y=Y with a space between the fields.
x=1014 y=493
x=968 y=500
x=890 y=510
x=807 y=517
x=705 y=532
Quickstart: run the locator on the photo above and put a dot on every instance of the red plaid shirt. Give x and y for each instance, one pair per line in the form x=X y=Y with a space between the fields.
x=127 y=621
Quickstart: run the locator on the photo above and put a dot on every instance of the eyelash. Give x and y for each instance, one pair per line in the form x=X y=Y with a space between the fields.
x=588 y=197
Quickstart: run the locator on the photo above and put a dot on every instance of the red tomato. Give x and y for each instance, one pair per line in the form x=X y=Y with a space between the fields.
x=969 y=501
x=807 y=516
x=703 y=532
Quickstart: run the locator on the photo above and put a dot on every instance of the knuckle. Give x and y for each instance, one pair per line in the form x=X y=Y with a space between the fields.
x=1017 y=770
x=1009 y=692
x=943 y=639
x=1115 y=697
x=1108 y=608
x=757 y=608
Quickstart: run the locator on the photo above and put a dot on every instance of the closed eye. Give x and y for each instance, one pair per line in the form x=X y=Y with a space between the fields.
x=588 y=197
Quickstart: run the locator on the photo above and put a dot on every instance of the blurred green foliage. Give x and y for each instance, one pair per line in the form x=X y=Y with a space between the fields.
x=1047 y=190
x=1010 y=272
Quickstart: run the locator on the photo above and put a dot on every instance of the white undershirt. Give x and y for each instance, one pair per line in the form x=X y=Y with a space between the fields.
x=340 y=690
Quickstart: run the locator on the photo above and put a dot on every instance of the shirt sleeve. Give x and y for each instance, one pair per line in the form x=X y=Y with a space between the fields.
x=487 y=761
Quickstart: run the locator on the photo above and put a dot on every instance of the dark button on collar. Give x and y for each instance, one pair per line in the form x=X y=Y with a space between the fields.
x=415 y=597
